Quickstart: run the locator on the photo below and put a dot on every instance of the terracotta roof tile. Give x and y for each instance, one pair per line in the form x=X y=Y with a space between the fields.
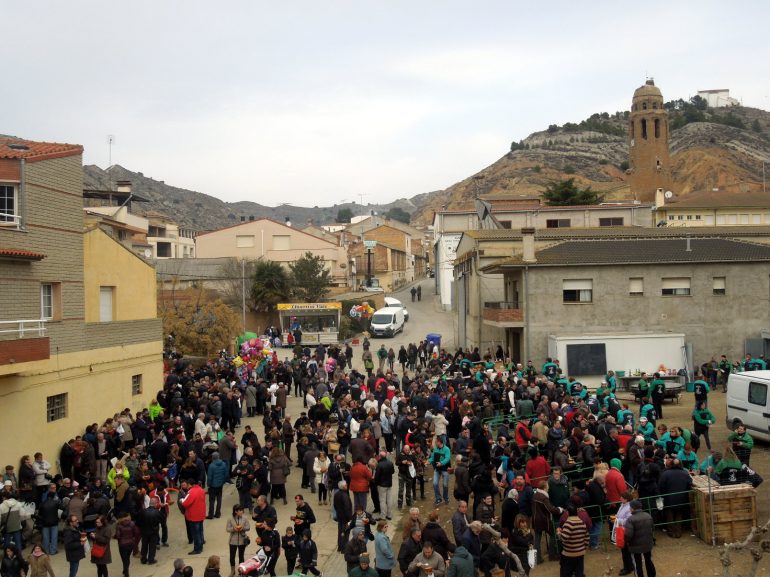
x=17 y=253
x=17 y=148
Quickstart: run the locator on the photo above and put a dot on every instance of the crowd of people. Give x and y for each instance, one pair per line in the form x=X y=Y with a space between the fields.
x=540 y=466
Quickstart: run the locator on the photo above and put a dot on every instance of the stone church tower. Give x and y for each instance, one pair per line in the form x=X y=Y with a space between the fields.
x=650 y=167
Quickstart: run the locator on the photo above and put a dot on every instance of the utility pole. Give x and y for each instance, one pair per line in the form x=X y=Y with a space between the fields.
x=243 y=292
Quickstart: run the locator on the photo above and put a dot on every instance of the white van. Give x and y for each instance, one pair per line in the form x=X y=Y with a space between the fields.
x=748 y=401
x=391 y=302
x=387 y=321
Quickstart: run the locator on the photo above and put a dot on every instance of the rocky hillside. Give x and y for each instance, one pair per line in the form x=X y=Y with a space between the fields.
x=706 y=153
x=200 y=211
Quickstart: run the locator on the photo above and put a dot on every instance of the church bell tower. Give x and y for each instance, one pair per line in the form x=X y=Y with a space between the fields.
x=650 y=167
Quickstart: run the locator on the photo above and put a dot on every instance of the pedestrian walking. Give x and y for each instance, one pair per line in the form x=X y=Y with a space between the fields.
x=640 y=540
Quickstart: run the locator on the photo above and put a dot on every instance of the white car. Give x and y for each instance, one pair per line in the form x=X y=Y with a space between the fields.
x=391 y=302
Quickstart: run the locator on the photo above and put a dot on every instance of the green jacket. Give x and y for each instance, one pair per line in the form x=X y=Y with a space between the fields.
x=358 y=572
x=658 y=386
x=704 y=417
x=443 y=454
x=745 y=438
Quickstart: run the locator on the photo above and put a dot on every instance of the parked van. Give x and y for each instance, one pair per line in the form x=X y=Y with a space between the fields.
x=391 y=302
x=748 y=401
x=387 y=321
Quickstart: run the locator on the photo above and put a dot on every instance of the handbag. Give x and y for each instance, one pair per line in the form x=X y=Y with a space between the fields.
x=98 y=550
x=246 y=540
x=412 y=471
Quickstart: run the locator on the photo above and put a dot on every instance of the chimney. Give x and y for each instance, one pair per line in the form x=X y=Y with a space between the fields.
x=660 y=197
x=528 y=245
x=124 y=186
x=688 y=249
x=287 y=221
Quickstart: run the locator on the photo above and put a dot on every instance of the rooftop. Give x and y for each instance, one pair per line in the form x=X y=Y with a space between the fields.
x=641 y=251
x=20 y=254
x=17 y=148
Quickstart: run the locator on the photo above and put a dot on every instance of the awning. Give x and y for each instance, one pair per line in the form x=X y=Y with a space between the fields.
x=20 y=254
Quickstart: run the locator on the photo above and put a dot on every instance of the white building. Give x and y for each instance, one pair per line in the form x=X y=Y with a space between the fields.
x=718 y=97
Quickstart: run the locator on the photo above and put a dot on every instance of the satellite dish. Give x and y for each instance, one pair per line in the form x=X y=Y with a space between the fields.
x=147 y=253
x=668 y=194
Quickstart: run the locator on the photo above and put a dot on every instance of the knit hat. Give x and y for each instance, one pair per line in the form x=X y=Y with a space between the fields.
x=616 y=464
x=636 y=505
x=363 y=558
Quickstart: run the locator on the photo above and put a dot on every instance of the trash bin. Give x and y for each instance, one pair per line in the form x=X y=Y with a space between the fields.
x=690 y=387
x=434 y=340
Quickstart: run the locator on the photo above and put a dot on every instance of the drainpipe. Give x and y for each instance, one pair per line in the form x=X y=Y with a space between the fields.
x=22 y=195
x=478 y=292
x=526 y=314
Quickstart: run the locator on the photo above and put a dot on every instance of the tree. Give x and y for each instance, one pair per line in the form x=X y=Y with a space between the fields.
x=755 y=126
x=344 y=215
x=198 y=326
x=270 y=285
x=310 y=278
x=399 y=214
x=232 y=274
x=566 y=193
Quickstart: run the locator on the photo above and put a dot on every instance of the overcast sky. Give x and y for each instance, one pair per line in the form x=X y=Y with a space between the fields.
x=317 y=102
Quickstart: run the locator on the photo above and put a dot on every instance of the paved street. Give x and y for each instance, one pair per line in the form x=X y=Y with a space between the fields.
x=425 y=317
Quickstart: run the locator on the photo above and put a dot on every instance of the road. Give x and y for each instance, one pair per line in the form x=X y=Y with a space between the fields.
x=425 y=317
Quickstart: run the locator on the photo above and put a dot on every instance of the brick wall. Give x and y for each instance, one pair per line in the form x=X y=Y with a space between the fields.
x=23 y=350
x=100 y=335
x=504 y=315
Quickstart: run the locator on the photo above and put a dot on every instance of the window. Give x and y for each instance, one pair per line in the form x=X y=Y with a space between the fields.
x=577 y=290
x=679 y=287
x=56 y=407
x=136 y=384
x=557 y=223
x=670 y=217
x=8 y=204
x=611 y=221
x=106 y=303
x=720 y=285
x=50 y=301
x=758 y=394
x=281 y=242
x=163 y=250
x=697 y=217
x=744 y=219
x=689 y=217
x=720 y=219
x=636 y=286
x=657 y=128
x=244 y=241
x=756 y=219
x=644 y=129
x=505 y=223
x=46 y=301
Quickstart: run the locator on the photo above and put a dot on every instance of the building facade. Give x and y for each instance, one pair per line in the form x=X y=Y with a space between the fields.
x=271 y=240
x=79 y=335
x=708 y=289
x=713 y=208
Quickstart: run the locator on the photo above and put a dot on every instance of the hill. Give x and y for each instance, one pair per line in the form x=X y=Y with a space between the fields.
x=721 y=148
x=199 y=211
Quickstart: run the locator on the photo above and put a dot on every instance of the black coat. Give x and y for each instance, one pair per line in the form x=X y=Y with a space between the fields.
x=73 y=548
x=639 y=532
x=343 y=506
x=433 y=533
x=677 y=481
x=149 y=521
x=408 y=551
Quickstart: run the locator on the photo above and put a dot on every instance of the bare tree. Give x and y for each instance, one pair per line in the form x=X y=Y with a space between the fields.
x=232 y=282
x=756 y=543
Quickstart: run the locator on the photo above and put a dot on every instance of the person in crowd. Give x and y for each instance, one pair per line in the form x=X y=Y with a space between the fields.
x=385 y=559
x=39 y=563
x=640 y=540
x=573 y=535
x=238 y=528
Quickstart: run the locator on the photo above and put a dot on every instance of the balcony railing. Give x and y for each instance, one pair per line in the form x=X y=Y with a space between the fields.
x=10 y=220
x=502 y=305
x=24 y=328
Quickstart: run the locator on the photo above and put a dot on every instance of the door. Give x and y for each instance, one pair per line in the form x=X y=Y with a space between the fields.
x=757 y=420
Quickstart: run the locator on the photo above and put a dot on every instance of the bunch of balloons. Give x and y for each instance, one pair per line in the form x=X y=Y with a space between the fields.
x=363 y=311
x=255 y=354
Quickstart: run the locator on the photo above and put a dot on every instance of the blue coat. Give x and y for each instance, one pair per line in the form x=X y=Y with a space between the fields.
x=218 y=473
x=384 y=556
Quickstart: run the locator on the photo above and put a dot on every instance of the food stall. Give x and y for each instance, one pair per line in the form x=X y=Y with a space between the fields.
x=319 y=323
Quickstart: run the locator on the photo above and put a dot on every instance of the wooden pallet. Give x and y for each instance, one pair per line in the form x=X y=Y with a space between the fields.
x=734 y=512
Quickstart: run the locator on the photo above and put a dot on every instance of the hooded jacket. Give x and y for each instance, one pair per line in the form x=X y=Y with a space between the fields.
x=461 y=564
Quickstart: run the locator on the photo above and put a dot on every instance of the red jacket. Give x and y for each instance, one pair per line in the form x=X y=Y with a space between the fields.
x=615 y=485
x=523 y=435
x=537 y=470
x=360 y=475
x=195 y=504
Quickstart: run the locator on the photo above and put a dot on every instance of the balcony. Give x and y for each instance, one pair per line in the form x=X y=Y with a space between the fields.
x=23 y=341
x=503 y=314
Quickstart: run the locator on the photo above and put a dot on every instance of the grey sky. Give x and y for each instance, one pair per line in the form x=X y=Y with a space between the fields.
x=316 y=102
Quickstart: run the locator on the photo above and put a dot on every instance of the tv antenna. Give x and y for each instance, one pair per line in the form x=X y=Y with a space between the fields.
x=110 y=142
